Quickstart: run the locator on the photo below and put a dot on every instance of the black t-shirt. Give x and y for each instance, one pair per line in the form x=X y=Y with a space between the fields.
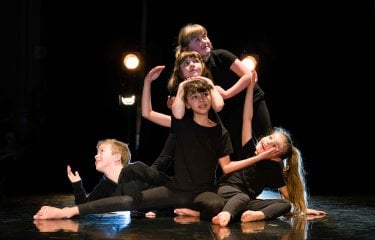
x=255 y=178
x=198 y=149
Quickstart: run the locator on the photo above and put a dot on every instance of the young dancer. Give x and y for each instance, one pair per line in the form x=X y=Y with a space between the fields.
x=283 y=170
x=230 y=77
x=120 y=175
x=194 y=170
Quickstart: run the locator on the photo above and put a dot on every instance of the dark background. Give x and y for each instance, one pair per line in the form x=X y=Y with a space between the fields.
x=62 y=74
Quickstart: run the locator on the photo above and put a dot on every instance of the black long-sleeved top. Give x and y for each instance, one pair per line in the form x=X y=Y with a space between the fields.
x=133 y=178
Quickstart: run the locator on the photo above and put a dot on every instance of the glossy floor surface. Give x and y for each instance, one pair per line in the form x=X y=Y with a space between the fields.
x=348 y=218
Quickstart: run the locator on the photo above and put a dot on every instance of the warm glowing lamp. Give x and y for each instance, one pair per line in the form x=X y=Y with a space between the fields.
x=131 y=61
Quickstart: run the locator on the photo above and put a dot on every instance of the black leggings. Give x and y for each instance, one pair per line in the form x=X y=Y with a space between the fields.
x=157 y=198
x=238 y=202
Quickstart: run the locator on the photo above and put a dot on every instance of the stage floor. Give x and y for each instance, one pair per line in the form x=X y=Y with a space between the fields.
x=348 y=218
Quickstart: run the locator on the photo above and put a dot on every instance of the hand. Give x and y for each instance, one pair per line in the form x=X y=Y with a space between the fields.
x=222 y=92
x=170 y=101
x=271 y=154
x=310 y=211
x=154 y=73
x=73 y=177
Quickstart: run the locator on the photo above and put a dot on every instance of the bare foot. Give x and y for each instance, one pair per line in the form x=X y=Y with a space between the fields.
x=222 y=219
x=251 y=216
x=186 y=212
x=150 y=214
x=48 y=212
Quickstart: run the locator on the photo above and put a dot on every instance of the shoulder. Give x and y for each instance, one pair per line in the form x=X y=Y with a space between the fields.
x=223 y=53
x=222 y=58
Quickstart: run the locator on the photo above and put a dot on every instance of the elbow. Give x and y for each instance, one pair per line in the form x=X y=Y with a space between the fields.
x=219 y=107
x=146 y=114
x=226 y=171
x=178 y=115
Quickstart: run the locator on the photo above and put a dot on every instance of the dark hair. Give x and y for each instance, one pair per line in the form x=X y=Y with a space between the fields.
x=194 y=86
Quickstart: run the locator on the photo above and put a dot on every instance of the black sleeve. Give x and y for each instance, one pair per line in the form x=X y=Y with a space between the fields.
x=102 y=190
x=140 y=171
x=166 y=157
x=79 y=192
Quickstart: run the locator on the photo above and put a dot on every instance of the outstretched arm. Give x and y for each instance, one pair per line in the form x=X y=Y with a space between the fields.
x=147 y=112
x=248 y=112
x=229 y=166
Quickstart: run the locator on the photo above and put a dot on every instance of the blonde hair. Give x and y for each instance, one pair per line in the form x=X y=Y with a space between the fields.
x=177 y=76
x=294 y=173
x=187 y=33
x=118 y=147
x=295 y=181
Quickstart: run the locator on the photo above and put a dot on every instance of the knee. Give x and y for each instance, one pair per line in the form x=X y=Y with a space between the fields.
x=209 y=207
x=286 y=205
x=243 y=198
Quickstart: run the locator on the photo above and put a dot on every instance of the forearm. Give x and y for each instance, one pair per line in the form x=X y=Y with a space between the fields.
x=237 y=165
x=178 y=106
x=79 y=192
x=240 y=85
x=146 y=99
x=217 y=100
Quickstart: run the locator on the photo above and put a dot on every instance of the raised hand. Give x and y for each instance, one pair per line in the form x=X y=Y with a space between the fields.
x=154 y=73
x=73 y=177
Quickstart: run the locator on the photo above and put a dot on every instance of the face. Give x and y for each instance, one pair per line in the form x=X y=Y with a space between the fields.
x=201 y=44
x=191 y=67
x=104 y=157
x=275 y=140
x=199 y=102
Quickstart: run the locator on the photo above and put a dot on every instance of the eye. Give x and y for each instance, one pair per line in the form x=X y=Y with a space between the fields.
x=193 y=96
x=184 y=63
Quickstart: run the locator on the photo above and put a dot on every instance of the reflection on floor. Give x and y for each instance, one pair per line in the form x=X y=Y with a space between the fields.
x=348 y=218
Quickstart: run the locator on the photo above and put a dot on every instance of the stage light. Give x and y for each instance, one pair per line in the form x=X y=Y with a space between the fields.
x=127 y=100
x=131 y=61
